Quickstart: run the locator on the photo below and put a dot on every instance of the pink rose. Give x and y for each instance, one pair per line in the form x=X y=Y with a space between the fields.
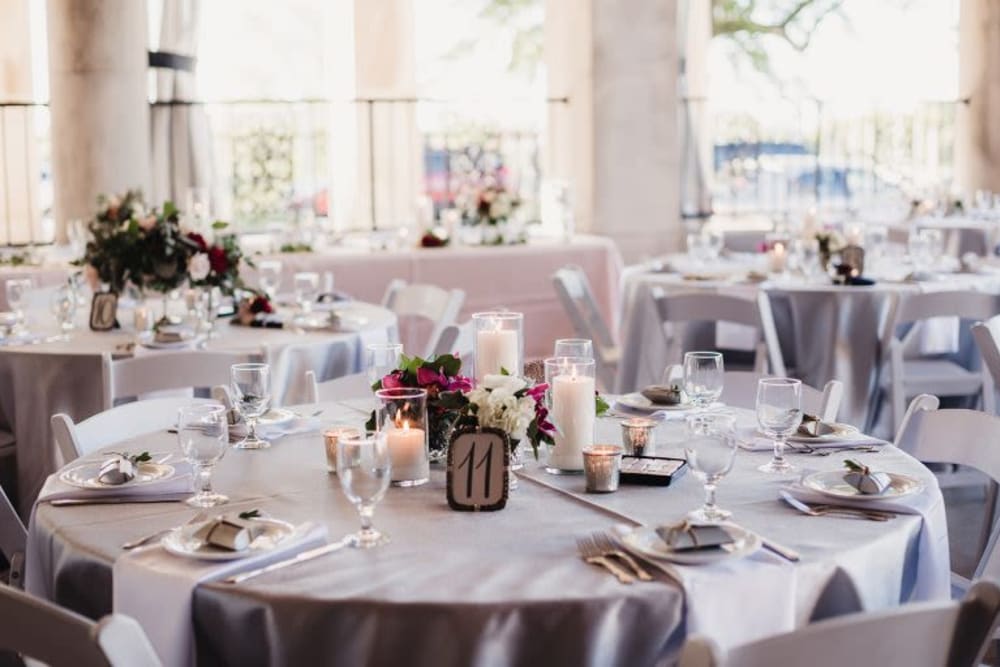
x=147 y=223
x=393 y=380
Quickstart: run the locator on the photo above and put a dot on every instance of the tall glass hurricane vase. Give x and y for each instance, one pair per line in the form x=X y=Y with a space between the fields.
x=572 y=409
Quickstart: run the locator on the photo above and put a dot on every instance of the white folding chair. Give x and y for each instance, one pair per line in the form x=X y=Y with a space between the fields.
x=966 y=438
x=740 y=390
x=951 y=633
x=456 y=339
x=40 y=630
x=339 y=389
x=429 y=302
x=13 y=537
x=987 y=337
x=116 y=424
x=187 y=369
x=573 y=289
x=909 y=375
x=693 y=307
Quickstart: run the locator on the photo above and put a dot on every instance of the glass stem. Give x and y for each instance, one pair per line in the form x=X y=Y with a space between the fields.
x=252 y=428
x=366 y=512
x=779 y=450
x=710 y=495
x=204 y=475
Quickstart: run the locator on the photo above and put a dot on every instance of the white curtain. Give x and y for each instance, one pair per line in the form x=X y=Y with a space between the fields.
x=181 y=139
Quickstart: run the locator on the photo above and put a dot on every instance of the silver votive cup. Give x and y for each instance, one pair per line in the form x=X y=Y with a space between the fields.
x=331 y=435
x=601 y=467
x=637 y=435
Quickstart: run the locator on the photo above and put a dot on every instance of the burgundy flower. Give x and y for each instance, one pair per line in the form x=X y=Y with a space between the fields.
x=426 y=377
x=538 y=391
x=217 y=258
x=393 y=380
x=199 y=240
x=260 y=304
x=459 y=383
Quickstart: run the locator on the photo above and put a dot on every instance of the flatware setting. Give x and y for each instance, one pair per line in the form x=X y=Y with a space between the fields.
x=138 y=542
x=825 y=510
x=594 y=555
x=301 y=557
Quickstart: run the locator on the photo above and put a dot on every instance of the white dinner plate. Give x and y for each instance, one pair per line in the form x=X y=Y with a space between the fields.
x=276 y=417
x=831 y=483
x=640 y=403
x=148 y=339
x=645 y=542
x=181 y=541
x=84 y=476
x=840 y=432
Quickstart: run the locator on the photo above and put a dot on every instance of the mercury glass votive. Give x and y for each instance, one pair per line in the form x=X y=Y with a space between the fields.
x=498 y=343
x=331 y=435
x=601 y=467
x=402 y=417
x=637 y=435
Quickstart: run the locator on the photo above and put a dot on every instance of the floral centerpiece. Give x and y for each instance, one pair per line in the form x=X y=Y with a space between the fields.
x=828 y=244
x=252 y=306
x=445 y=393
x=491 y=208
x=513 y=405
x=218 y=264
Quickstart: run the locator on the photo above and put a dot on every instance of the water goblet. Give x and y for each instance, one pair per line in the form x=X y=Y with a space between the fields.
x=202 y=432
x=703 y=377
x=364 y=469
x=710 y=451
x=574 y=347
x=17 y=295
x=269 y=277
x=381 y=359
x=779 y=413
x=251 y=388
x=306 y=286
x=63 y=306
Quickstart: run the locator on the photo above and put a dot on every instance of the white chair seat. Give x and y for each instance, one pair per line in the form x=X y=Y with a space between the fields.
x=939 y=377
x=339 y=389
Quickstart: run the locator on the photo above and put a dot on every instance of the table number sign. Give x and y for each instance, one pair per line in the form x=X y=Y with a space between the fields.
x=478 y=462
x=103 y=311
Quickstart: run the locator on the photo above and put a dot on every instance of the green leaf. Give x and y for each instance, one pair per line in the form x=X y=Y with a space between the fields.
x=141 y=458
x=449 y=364
x=504 y=371
x=370 y=424
x=219 y=224
x=452 y=400
x=854 y=466
x=250 y=514
x=169 y=209
x=600 y=405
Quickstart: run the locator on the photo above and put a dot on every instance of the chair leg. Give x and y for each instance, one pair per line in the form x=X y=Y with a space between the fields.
x=990 y=515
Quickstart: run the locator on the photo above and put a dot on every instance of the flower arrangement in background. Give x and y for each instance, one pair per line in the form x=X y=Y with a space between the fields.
x=513 y=405
x=252 y=306
x=218 y=264
x=490 y=205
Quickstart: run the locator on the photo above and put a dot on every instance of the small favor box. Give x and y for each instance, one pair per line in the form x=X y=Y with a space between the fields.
x=117 y=470
x=651 y=470
x=227 y=533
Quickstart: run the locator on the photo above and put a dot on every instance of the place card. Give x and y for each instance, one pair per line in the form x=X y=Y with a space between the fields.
x=104 y=311
x=478 y=464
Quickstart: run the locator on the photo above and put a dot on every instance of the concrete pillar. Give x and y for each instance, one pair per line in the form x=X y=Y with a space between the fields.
x=977 y=154
x=376 y=167
x=20 y=214
x=99 y=104
x=617 y=61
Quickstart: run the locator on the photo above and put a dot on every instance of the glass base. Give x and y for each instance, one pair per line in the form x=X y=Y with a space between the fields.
x=410 y=482
x=368 y=539
x=560 y=471
x=207 y=500
x=776 y=467
x=704 y=515
x=247 y=443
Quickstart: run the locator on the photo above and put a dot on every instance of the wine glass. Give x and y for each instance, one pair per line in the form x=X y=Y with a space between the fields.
x=382 y=359
x=574 y=347
x=306 y=286
x=710 y=452
x=17 y=294
x=63 y=306
x=269 y=277
x=251 y=386
x=703 y=377
x=202 y=432
x=364 y=469
x=779 y=413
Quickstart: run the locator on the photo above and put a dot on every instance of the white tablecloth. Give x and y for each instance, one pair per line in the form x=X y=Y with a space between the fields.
x=37 y=381
x=455 y=588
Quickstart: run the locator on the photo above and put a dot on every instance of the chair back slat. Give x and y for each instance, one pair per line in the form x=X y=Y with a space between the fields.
x=966 y=305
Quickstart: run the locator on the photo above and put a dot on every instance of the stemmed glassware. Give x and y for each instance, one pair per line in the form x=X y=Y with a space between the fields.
x=269 y=277
x=381 y=359
x=779 y=413
x=364 y=469
x=306 y=286
x=17 y=293
x=704 y=376
x=63 y=305
x=251 y=388
x=574 y=347
x=202 y=432
x=710 y=452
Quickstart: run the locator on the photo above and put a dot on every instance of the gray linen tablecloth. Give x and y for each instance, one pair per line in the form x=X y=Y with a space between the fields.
x=65 y=376
x=458 y=588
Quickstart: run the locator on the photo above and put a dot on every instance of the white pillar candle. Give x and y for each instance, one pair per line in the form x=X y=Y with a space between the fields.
x=778 y=258
x=407 y=453
x=496 y=349
x=573 y=414
x=143 y=320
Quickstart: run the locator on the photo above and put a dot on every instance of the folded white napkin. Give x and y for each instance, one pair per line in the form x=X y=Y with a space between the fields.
x=752 y=441
x=155 y=587
x=181 y=482
x=933 y=577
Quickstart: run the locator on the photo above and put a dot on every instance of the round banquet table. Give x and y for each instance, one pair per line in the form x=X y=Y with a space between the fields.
x=459 y=588
x=45 y=378
x=825 y=331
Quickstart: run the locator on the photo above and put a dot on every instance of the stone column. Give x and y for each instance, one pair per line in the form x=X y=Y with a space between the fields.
x=99 y=103
x=20 y=215
x=977 y=150
x=618 y=142
x=377 y=152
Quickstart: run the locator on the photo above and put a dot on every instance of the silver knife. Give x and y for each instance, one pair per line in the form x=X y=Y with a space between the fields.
x=119 y=500
x=298 y=558
x=783 y=551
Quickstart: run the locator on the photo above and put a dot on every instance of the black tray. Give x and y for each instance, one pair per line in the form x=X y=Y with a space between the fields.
x=660 y=470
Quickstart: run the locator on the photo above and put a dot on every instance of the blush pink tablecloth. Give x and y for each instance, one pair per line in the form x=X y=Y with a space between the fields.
x=516 y=277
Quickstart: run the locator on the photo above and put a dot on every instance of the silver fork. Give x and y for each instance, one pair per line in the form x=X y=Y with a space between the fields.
x=136 y=543
x=591 y=554
x=610 y=548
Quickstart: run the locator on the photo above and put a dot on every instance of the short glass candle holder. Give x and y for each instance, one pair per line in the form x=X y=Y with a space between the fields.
x=498 y=343
x=637 y=435
x=331 y=435
x=602 y=468
x=570 y=398
x=402 y=417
